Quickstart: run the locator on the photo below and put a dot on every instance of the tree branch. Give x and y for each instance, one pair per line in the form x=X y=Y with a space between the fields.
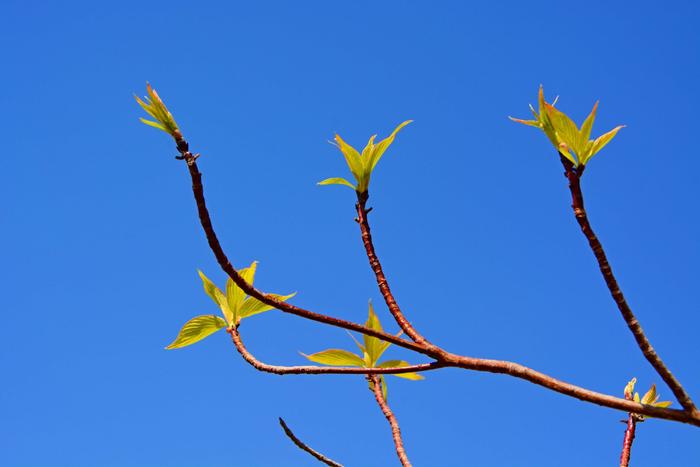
x=225 y=264
x=305 y=447
x=318 y=370
x=449 y=359
x=379 y=273
x=574 y=177
x=393 y=423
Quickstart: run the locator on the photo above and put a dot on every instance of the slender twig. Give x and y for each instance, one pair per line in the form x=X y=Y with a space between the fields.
x=470 y=363
x=317 y=370
x=225 y=264
x=379 y=273
x=574 y=177
x=627 y=442
x=304 y=447
x=393 y=423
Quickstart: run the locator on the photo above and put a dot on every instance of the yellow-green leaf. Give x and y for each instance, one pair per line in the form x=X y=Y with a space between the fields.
x=234 y=294
x=600 y=142
x=650 y=397
x=587 y=126
x=373 y=345
x=197 y=329
x=336 y=181
x=629 y=388
x=401 y=364
x=566 y=130
x=217 y=296
x=352 y=157
x=534 y=123
x=383 y=145
x=337 y=357
x=663 y=404
x=252 y=306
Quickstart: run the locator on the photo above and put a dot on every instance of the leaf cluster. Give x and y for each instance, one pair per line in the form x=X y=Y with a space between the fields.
x=572 y=142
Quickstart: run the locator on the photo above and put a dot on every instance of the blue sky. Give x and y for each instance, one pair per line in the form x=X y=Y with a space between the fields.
x=100 y=239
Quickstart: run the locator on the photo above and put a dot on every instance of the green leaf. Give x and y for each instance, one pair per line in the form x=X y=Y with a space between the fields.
x=587 y=126
x=337 y=357
x=153 y=124
x=336 y=181
x=401 y=364
x=383 y=145
x=252 y=306
x=373 y=345
x=352 y=157
x=197 y=329
x=650 y=397
x=217 y=296
x=534 y=123
x=600 y=142
x=566 y=130
x=234 y=294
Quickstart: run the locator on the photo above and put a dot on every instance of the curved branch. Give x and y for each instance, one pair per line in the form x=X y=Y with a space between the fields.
x=449 y=359
x=304 y=447
x=225 y=264
x=393 y=423
x=379 y=273
x=574 y=177
x=318 y=370
x=528 y=374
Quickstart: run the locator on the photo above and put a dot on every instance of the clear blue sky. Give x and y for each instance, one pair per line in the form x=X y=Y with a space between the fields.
x=100 y=240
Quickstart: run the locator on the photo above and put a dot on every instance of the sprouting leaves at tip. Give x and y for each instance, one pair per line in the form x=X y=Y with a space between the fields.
x=651 y=397
x=570 y=141
x=362 y=164
x=154 y=106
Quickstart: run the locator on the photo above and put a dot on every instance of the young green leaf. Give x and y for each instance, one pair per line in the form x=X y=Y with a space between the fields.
x=197 y=329
x=378 y=151
x=218 y=297
x=252 y=306
x=336 y=181
x=373 y=345
x=336 y=357
x=154 y=106
x=362 y=165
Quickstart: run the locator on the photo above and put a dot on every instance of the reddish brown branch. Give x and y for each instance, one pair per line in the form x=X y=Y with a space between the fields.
x=379 y=273
x=574 y=177
x=318 y=370
x=449 y=359
x=225 y=264
x=304 y=447
x=627 y=442
x=393 y=423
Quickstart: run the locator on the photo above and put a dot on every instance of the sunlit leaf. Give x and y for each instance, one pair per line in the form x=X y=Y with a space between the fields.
x=650 y=397
x=401 y=364
x=197 y=329
x=217 y=296
x=252 y=306
x=337 y=357
x=352 y=157
x=600 y=142
x=336 y=181
x=383 y=145
x=373 y=345
x=587 y=126
x=534 y=123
